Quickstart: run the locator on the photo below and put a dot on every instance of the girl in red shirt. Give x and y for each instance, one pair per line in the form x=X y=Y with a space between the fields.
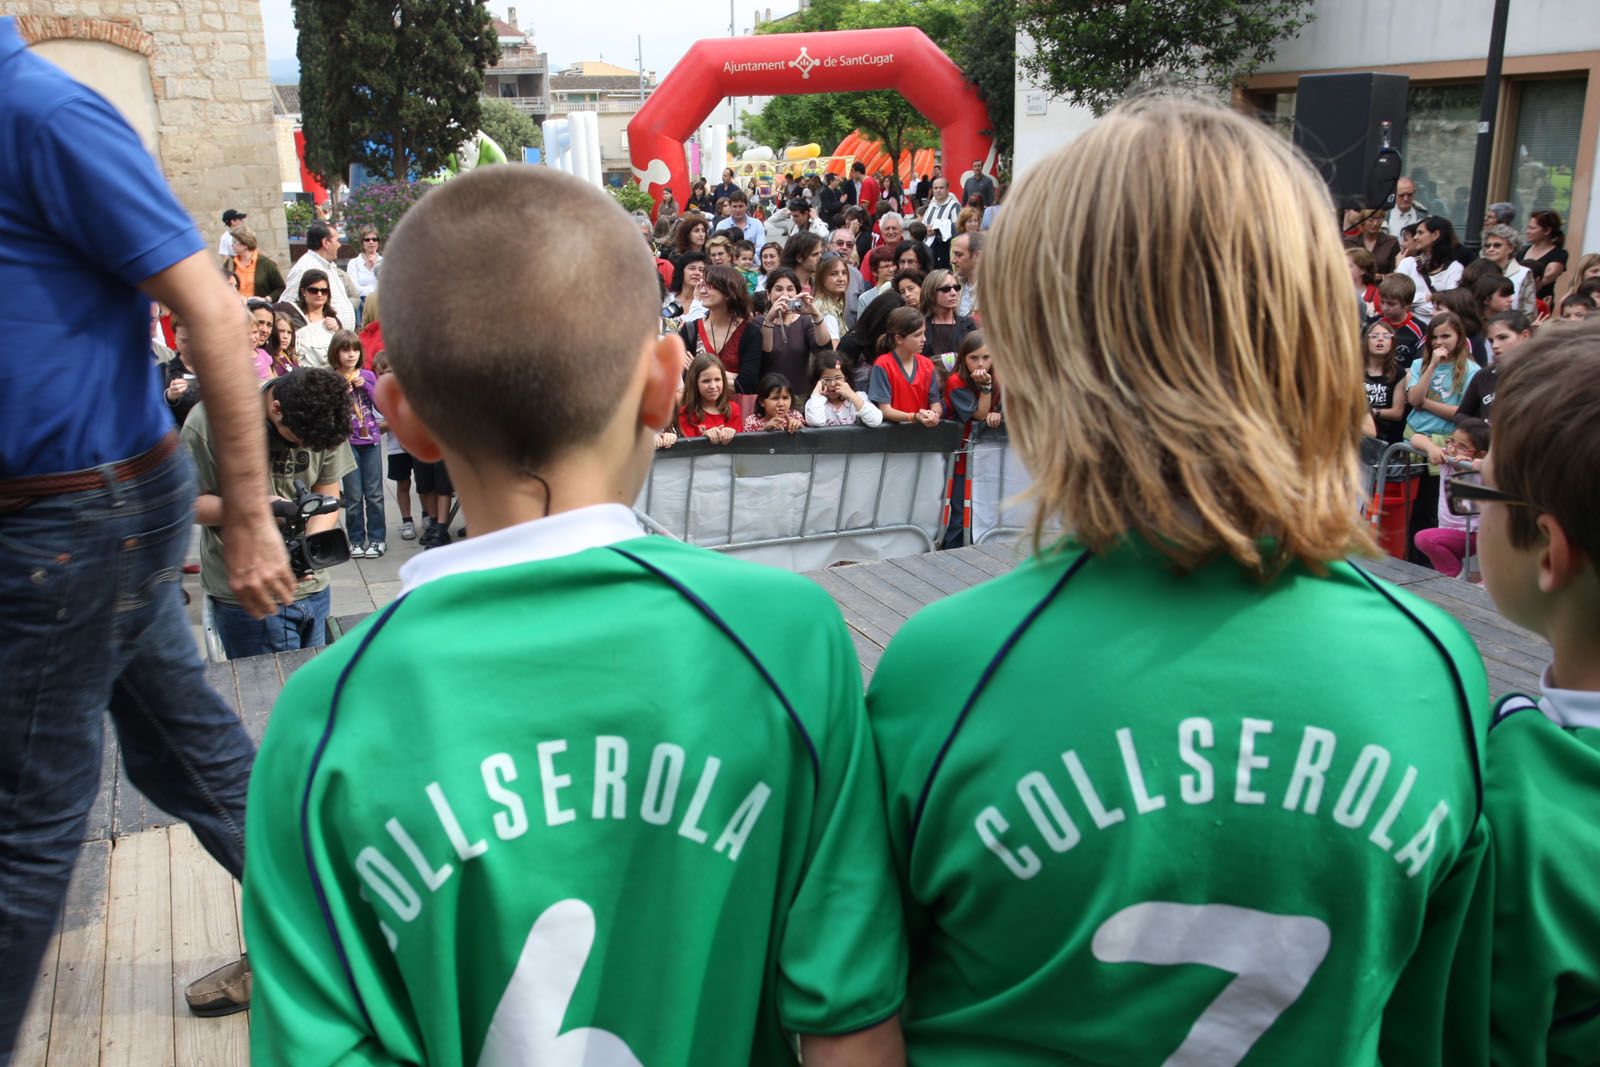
x=707 y=411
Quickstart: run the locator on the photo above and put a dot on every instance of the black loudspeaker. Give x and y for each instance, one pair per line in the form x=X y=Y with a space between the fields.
x=1353 y=126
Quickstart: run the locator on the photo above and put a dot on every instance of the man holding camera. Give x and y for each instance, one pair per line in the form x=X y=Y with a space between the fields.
x=308 y=428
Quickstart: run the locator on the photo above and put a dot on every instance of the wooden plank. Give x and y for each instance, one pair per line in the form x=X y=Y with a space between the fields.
x=289 y=662
x=955 y=566
x=137 y=1027
x=858 y=613
x=1395 y=571
x=32 y=1048
x=910 y=582
x=81 y=963
x=128 y=806
x=977 y=556
x=100 y=812
x=259 y=684
x=881 y=591
x=923 y=569
x=219 y=676
x=205 y=936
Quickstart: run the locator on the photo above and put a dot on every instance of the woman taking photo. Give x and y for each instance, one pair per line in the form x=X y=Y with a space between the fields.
x=727 y=330
x=682 y=304
x=1545 y=255
x=311 y=340
x=941 y=293
x=791 y=328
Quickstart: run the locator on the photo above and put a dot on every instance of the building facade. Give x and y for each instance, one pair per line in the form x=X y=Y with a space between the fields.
x=1545 y=136
x=191 y=77
x=522 y=76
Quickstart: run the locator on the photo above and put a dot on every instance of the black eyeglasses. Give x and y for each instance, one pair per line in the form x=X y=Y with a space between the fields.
x=1464 y=493
x=320 y=290
x=949 y=289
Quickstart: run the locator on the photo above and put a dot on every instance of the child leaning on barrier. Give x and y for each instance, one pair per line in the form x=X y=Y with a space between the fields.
x=775 y=410
x=1539 y=546
x=904 y=384
x=834 y=401
x=708 y=410
x=1449 y=543
x=565 y=855
x=972 y=392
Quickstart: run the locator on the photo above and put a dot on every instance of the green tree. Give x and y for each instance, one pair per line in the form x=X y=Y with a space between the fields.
x=391 y=84
x=882 y=114
x=1092 y=52
x=510 y=128
x=986 y=52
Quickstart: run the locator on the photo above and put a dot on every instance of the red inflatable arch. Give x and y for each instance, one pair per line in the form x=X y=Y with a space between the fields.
x=901 y=58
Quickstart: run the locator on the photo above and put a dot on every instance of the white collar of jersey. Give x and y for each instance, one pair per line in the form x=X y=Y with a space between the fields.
x=1569 y=707
x=562 y=534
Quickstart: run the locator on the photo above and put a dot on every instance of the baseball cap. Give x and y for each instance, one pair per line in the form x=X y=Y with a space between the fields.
x=231 y=214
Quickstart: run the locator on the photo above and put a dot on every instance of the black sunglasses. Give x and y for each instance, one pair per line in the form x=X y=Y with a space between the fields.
x=949 y=289
x=1464 y=493
x=322 y=289
x=364 y=240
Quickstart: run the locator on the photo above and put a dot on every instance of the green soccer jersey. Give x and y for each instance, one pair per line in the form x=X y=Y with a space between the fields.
x=609 y=808
x=1142 y=818
x=1543 y=804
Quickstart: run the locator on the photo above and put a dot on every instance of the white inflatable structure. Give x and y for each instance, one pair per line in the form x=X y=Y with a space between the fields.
x=714 y=151
x=572 y=145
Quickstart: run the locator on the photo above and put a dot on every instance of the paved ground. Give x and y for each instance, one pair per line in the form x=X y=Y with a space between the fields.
x=362 y=585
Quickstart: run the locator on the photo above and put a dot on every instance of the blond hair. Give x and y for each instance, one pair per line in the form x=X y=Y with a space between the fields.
x=1205 y=393
x=517 y=355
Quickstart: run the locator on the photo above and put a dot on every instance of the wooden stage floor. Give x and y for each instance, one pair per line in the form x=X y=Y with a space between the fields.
x=149 y=911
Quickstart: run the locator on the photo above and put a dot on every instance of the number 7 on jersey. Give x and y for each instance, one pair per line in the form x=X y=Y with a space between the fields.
x=1272 y=957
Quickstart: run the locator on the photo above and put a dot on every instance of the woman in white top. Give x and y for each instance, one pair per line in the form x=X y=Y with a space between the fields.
x=364 y=268
x=1436 y=265
x=832 y=282
x=311 y=340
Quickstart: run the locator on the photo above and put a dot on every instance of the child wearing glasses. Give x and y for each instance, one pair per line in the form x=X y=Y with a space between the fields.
x=1449 y=543
x=1539 y=539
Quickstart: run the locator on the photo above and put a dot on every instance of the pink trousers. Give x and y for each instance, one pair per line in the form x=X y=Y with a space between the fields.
x=1445 y=549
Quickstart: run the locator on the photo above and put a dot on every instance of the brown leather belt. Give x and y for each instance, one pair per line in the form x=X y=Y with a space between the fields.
x=42 y=485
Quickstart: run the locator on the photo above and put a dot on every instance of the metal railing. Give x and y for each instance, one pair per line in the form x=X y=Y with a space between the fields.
x=841 y=485
x=1379 y=473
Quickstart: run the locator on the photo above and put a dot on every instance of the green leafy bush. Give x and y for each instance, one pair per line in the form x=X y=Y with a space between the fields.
x=380 y=205
x=632 y=197
x=300 y=214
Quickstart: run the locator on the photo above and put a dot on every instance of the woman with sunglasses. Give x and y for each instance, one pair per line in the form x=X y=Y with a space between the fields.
x=311 y=340
x=941 y=294
x=364 y=269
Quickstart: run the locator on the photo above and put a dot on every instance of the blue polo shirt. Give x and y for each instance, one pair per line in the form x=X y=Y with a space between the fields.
x=85 y=216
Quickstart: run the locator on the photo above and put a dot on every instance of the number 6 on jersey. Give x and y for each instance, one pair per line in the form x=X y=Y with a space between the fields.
x=1273 y=957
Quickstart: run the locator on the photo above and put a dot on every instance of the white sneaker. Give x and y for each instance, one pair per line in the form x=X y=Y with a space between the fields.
x=408 y=531
x=377 y=549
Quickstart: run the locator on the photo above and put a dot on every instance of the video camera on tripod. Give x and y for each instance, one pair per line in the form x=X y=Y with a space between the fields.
x=310 y=552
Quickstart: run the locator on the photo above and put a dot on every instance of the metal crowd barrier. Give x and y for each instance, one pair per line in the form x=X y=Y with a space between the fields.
x=1388 y=467
x=804 y=494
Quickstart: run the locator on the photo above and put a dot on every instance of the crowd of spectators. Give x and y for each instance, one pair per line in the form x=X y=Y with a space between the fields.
x=1439 y=325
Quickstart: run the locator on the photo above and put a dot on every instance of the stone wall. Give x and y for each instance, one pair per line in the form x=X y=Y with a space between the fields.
x=207 y=114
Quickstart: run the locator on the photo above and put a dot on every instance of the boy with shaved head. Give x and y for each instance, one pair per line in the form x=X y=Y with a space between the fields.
x=578 y=795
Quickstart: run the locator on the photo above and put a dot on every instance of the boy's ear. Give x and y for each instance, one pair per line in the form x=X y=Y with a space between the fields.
x=413 y=435
x=1560 y=561
x=663 y=358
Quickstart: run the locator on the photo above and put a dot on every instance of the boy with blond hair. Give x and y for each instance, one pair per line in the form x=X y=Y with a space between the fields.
x=1539 y=546
x=624 y=813
x=1152 y=811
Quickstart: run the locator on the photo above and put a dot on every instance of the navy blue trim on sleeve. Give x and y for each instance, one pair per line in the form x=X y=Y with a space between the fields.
x=738 y=642
x=983 y=682
x=1509 y=705
x=305 y=811
x=1462 y=701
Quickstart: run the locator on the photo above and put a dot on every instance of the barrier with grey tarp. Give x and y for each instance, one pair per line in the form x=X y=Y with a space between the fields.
x=802 y=501
x=996 y=480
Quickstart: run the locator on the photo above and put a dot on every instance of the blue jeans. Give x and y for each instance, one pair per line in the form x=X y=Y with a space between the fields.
x=93 y=622
x=362 y=490
x=303 y=624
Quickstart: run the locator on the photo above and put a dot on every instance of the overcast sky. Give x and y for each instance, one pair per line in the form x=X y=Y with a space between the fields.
x=574 y=31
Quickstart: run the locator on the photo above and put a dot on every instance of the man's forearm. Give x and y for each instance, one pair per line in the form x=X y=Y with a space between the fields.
x=220 y=354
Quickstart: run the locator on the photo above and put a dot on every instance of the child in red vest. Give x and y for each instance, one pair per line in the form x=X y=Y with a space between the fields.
x=903 y=384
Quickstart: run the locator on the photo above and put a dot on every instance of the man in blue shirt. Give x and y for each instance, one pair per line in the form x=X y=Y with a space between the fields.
x=96 y=501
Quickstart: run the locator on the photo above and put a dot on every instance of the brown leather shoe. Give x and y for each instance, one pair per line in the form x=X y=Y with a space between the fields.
x=222 y=992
